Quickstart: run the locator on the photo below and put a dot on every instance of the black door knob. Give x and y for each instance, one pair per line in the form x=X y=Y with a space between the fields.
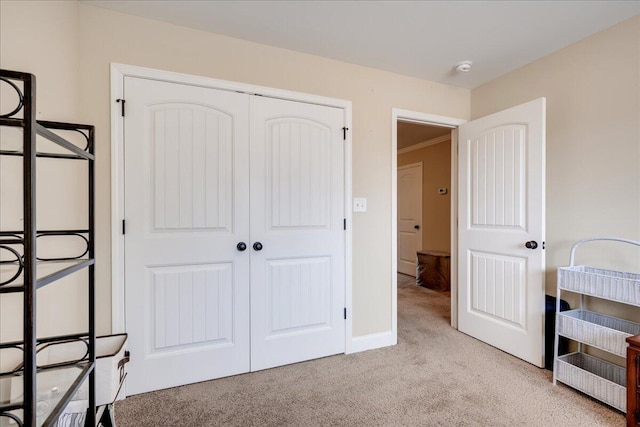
x=257 y=246
x=531 y=245
x=241 y=246
x=417 y=227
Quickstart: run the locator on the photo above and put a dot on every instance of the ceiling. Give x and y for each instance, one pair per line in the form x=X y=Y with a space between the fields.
x=413 y=133
x=424 y=39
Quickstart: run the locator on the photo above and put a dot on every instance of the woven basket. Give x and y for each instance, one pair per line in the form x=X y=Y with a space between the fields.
x=598 y=282
x=598 y=330
x=597 y=378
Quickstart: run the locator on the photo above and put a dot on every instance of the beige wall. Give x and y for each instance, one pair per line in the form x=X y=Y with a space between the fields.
x=43 y=39
x=593 y=143
x=104 y=36
x=436 y=208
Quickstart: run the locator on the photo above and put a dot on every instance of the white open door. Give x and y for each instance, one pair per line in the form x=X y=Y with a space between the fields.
x=297 y=214
x=409 y=217
x=186 y=209
x=502 y=230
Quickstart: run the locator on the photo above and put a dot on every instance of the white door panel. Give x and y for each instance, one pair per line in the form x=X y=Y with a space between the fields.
x=501 y=207
x=204 y=170
x=409 y=216
x=186 y=208
x=297 y=212
x=191 y=305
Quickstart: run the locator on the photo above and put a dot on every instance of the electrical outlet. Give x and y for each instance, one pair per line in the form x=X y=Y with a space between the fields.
x=359 y=204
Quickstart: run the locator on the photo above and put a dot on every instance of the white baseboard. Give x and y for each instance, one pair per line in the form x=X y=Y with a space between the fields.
x=371 y=341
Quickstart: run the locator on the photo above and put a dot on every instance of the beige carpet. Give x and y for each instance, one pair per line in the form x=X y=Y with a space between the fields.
x=435 y=376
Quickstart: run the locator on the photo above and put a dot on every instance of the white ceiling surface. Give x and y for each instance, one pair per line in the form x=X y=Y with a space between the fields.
x=424 y=39
x=414 y=133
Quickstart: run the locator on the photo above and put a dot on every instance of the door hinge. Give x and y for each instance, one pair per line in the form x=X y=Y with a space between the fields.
x=121 y=101
x=345 y=313
x=344 y=133
x=344 y=223
x=123 y=227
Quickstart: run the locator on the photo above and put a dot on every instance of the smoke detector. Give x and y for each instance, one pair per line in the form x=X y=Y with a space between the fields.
x=464 y=66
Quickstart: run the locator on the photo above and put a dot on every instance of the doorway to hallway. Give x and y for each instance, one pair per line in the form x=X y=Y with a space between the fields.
x=424 y=206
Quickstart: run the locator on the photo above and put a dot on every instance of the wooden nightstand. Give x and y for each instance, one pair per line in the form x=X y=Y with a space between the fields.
x=633 y=383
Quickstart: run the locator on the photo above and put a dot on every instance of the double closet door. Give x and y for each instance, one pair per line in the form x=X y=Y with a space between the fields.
x=234 y=244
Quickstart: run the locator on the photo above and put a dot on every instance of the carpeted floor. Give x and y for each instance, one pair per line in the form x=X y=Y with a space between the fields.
x=435 y=376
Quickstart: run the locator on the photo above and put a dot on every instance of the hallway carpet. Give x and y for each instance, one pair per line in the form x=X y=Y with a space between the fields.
x=435 y=376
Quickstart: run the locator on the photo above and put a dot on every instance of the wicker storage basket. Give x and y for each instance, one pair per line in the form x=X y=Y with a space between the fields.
x=605 y=332
x=597 y=378
x=598 y=282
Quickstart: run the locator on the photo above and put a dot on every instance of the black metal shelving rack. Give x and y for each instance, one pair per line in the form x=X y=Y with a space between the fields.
x=27 y=264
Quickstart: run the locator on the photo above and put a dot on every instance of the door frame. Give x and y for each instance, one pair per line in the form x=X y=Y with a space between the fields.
x=118 y=73
x=398 y=114
x=413 y=165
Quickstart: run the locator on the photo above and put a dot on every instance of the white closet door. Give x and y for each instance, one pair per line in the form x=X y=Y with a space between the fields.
x=409 y=217
x=297 y=212
x=186 y=209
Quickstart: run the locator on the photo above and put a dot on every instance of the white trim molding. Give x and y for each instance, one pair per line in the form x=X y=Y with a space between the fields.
x=118 y=74
x=372 y=341
x=425 y=144
x=117 y=203
x=348 y=192
x=411 y=165
x=454 y=229
x=408 y=116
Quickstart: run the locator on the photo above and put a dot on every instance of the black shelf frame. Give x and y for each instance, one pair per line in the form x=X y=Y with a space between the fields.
x=22 y=244
x=65 y=268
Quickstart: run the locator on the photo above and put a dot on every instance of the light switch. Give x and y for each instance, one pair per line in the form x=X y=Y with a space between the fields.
x=359 y=204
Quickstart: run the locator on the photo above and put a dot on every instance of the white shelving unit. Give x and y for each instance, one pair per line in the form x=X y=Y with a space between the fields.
x=598 y=378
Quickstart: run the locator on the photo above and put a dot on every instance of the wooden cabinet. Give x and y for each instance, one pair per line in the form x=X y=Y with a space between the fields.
x=633 y=390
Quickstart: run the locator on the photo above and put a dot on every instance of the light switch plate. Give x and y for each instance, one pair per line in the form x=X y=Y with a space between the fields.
x=359 y=204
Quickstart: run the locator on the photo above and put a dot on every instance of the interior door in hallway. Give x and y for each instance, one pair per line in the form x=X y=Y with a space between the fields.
x=186 y=209
x=409 y=217
x=502 y=230
x=297 y=233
